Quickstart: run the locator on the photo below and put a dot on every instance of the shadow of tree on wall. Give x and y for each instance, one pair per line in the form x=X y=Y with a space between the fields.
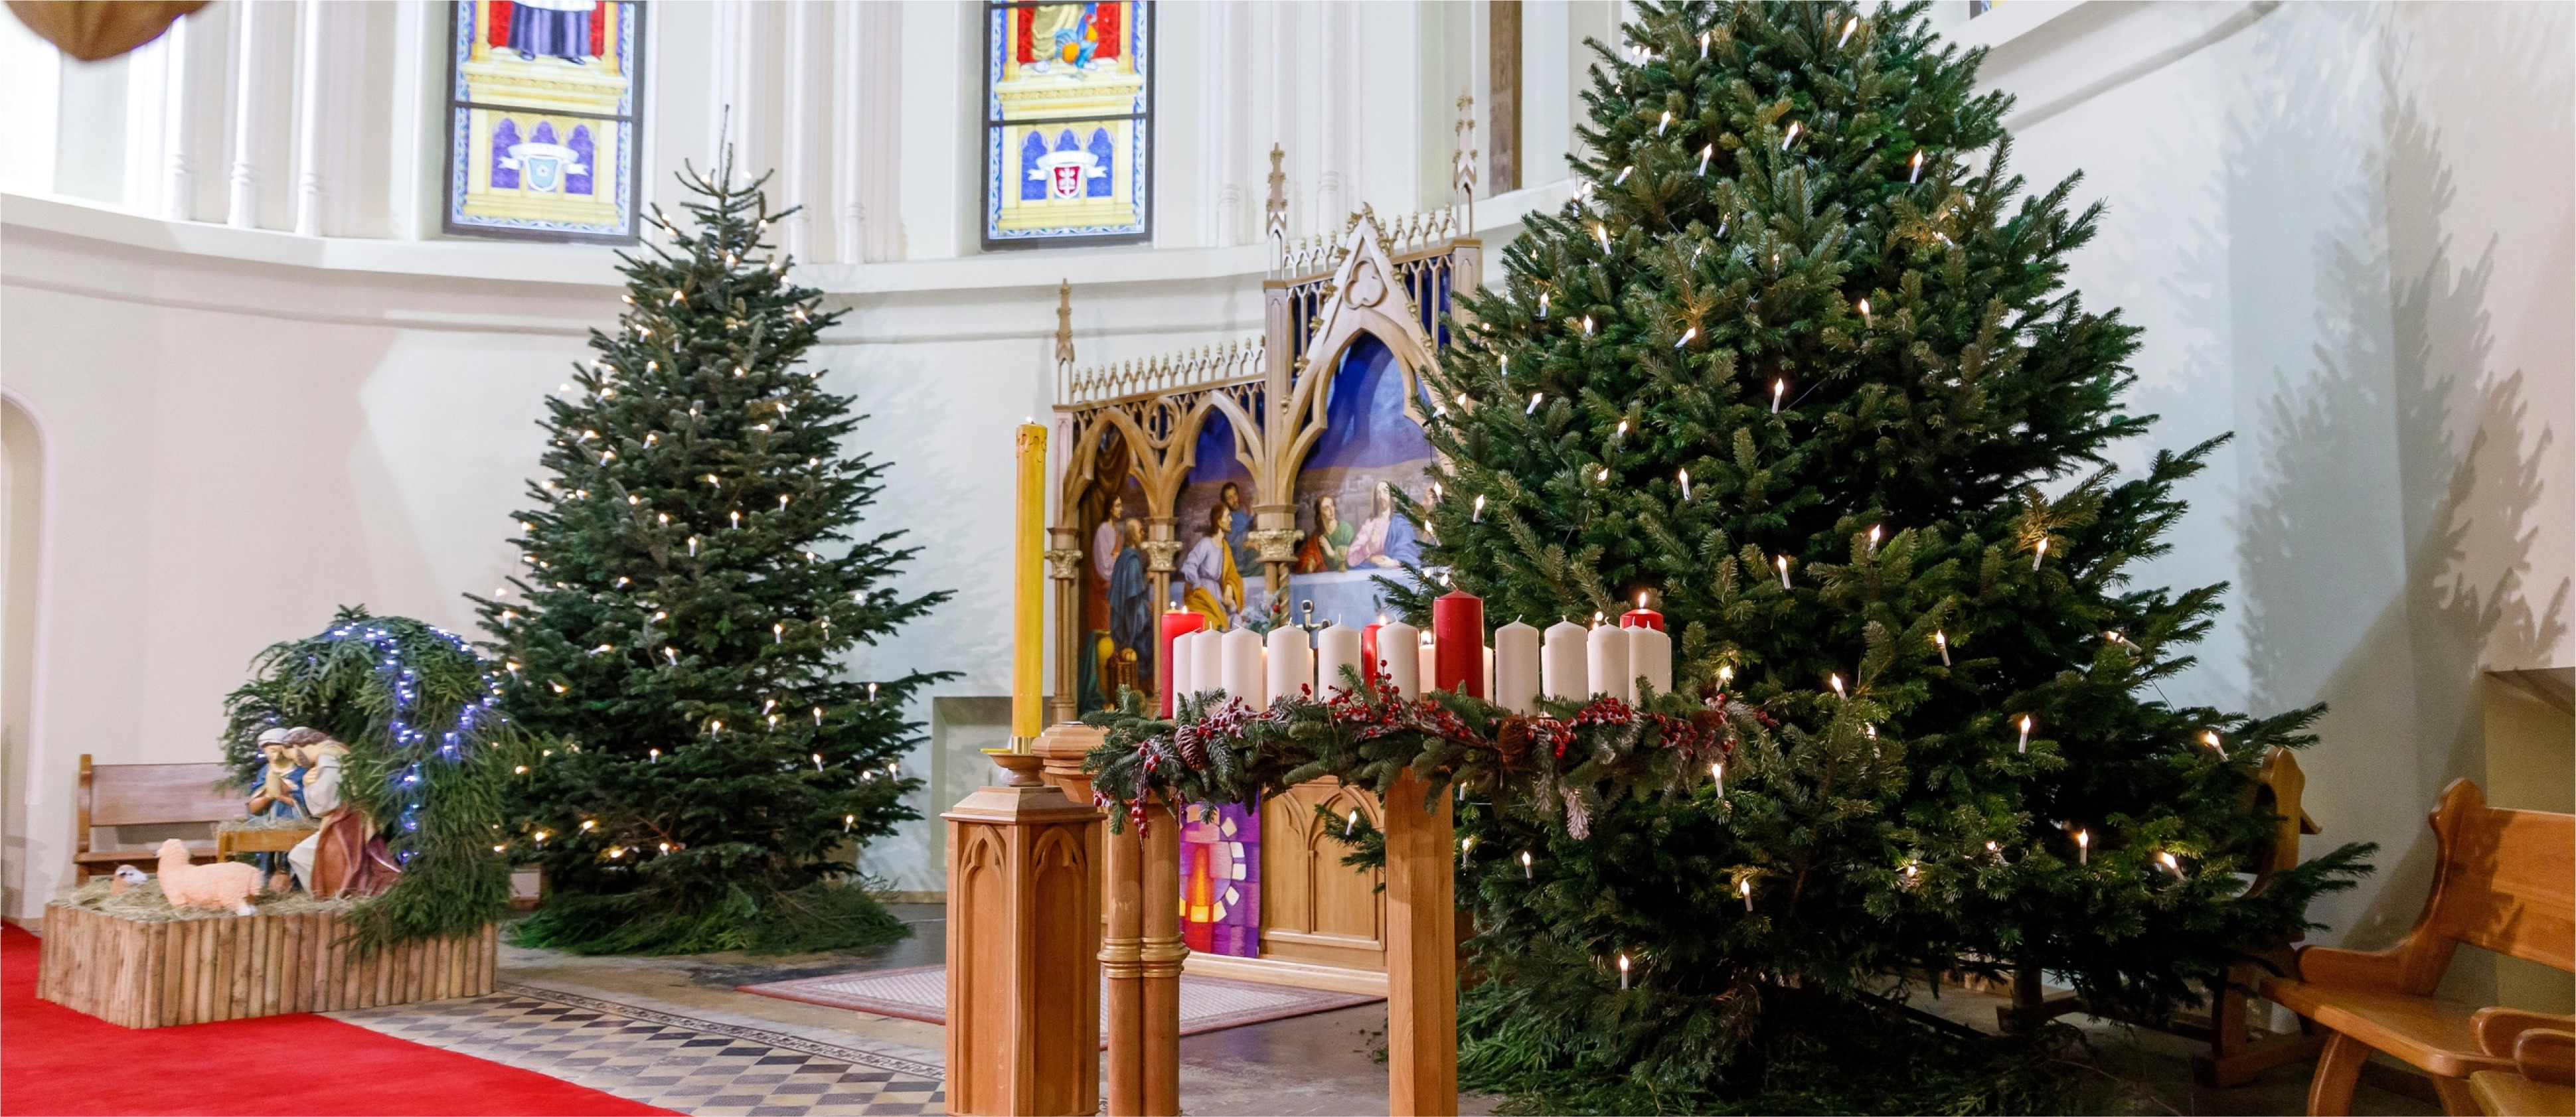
x=2391 y=491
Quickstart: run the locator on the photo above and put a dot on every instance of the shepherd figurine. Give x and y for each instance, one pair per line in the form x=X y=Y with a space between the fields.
x=225 y=885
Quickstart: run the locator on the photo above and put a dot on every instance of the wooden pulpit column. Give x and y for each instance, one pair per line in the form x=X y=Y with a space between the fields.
x=1141 y=957
x=1023 y=950
x=1421 y=954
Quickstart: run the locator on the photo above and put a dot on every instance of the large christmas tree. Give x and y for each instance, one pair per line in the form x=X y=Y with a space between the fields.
x=1799 y=364
x=693 y=581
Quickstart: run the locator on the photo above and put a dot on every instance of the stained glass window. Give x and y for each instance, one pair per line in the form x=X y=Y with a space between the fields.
x=542 y=103
x=1068 y=123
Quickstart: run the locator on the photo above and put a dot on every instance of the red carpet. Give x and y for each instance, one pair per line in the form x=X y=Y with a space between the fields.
x=56 y=1061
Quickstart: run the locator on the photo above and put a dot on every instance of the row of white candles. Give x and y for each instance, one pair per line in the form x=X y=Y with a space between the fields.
x=1571 y=662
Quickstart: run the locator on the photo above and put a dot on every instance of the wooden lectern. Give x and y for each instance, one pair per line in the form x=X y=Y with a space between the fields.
x=1023 y=949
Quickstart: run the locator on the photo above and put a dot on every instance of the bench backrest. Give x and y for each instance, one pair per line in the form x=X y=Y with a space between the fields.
x=141 y=794
x=2507 y=880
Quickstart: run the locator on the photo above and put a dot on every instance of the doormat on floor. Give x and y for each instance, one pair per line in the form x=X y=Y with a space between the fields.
x=1208 y=1004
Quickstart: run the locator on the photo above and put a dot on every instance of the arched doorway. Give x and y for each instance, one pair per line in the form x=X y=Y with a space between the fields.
x=22 y=551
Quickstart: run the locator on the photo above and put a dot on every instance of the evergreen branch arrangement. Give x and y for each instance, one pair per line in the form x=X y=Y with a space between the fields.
x=693 y=577
x=416 y=707
x=1798 y=363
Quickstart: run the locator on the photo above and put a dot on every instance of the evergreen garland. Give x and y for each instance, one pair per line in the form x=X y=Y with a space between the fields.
x=692 y=584
x=415 y=705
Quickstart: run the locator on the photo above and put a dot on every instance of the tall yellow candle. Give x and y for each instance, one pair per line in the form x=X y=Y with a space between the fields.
x=1028 y=587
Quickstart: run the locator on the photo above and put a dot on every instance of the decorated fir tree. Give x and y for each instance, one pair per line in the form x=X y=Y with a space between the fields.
x=693 y=578
x=1798 y=363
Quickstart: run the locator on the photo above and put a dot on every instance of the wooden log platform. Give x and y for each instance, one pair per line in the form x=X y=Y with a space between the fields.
x=193 y=971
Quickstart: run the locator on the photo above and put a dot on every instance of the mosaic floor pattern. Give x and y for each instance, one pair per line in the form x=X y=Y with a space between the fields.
x=702 y=1067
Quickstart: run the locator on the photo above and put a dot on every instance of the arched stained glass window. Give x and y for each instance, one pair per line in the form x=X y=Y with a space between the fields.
x=543 y=100
x=1068 y=115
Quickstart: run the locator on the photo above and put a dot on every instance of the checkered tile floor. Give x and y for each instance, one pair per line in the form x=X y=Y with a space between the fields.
x=677 y=1062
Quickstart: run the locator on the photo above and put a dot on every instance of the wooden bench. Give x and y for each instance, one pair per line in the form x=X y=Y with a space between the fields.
x=2505 y=881
x=2542 y=1083
x=147 y=795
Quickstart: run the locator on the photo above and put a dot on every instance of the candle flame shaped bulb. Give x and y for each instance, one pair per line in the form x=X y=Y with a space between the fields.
x=848 y=821
x=2211 y=738
x=1849 y=26
x=1942 y=641
x=1352 y=823
x=1865 y=319
x=1623 y=968
x=1717 y=778
x=1542 y=304
x=2170 y=862
x=2083 y=848
x=1745 y=888
x=1725 y=675
x=778 y=633
x=2039 y=553
x=1914 y=173
x=1478 y=516
x=589 y=823
x=655 y=755
x=1783 y=563
x=1791 y=137
x=1873 y=538
x=818 y=762
x=1621 y=434
x=1687 y=335
x=2025 y=733
x=693 y=546
x=1624 y=172
x=1525 y=865
x=872 y=692
x=1587 y=325
x=818 y=715
x=1666 y=122
x=736 y=517
x=1685 y=486
x=1836 y=680
x=1704 y=154
x=1535 y=397
x=1601 y=232
x=1779 y=389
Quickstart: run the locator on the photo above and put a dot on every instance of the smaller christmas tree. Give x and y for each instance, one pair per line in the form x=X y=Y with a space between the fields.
x=692 y=584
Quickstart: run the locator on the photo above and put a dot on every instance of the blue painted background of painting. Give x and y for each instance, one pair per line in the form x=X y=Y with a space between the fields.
x=1367 y=439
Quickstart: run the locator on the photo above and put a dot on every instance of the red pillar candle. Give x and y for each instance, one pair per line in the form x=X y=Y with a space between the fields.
x=1175 y=623
x=1458 y=648
x=1368 y=651
x=1642 y=617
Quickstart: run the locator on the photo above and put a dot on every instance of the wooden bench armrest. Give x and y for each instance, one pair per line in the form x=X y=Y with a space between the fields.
x=2546 y=1055
x=2355 y=969
x=2499 y=1028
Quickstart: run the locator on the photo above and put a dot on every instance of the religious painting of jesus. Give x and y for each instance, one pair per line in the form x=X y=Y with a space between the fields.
x=1067 y=111
x=542 y=101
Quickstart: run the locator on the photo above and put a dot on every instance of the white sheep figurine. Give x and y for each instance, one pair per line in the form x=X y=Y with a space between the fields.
x=223 y=885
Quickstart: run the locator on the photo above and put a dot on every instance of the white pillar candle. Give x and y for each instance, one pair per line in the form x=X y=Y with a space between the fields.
x=1650 y=656
x=1515 y=668
x=1207 y=663
x=1399 y=657
x=1243 y=668
x=1181 y=686
x=1608 y=662
x=1561 y=669
x=1291 y=671
x=1425 y=668
x=1337 y=653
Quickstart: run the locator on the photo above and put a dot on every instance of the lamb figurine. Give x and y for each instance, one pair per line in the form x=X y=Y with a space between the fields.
x=227 y=884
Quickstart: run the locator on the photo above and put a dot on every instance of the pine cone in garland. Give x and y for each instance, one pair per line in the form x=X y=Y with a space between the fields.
x=1513 y=741
x=1708 y=722
x=1192 y=745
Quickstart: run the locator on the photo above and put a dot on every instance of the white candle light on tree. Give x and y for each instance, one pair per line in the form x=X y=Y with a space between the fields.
x=2025 y=734
x=1745 y=887
x=1942 y=641
x=1623 y=971
x=2083 y=848
x=1525 y=865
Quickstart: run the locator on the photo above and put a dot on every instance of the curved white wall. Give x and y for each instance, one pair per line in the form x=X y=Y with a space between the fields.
x=2348 y=230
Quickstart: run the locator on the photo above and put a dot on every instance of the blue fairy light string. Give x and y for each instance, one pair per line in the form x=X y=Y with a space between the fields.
x=403 y=682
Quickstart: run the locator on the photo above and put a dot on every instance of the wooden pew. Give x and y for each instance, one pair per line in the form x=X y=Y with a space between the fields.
x=2543 y=1081
x=2506 y=882
x=145 y=795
